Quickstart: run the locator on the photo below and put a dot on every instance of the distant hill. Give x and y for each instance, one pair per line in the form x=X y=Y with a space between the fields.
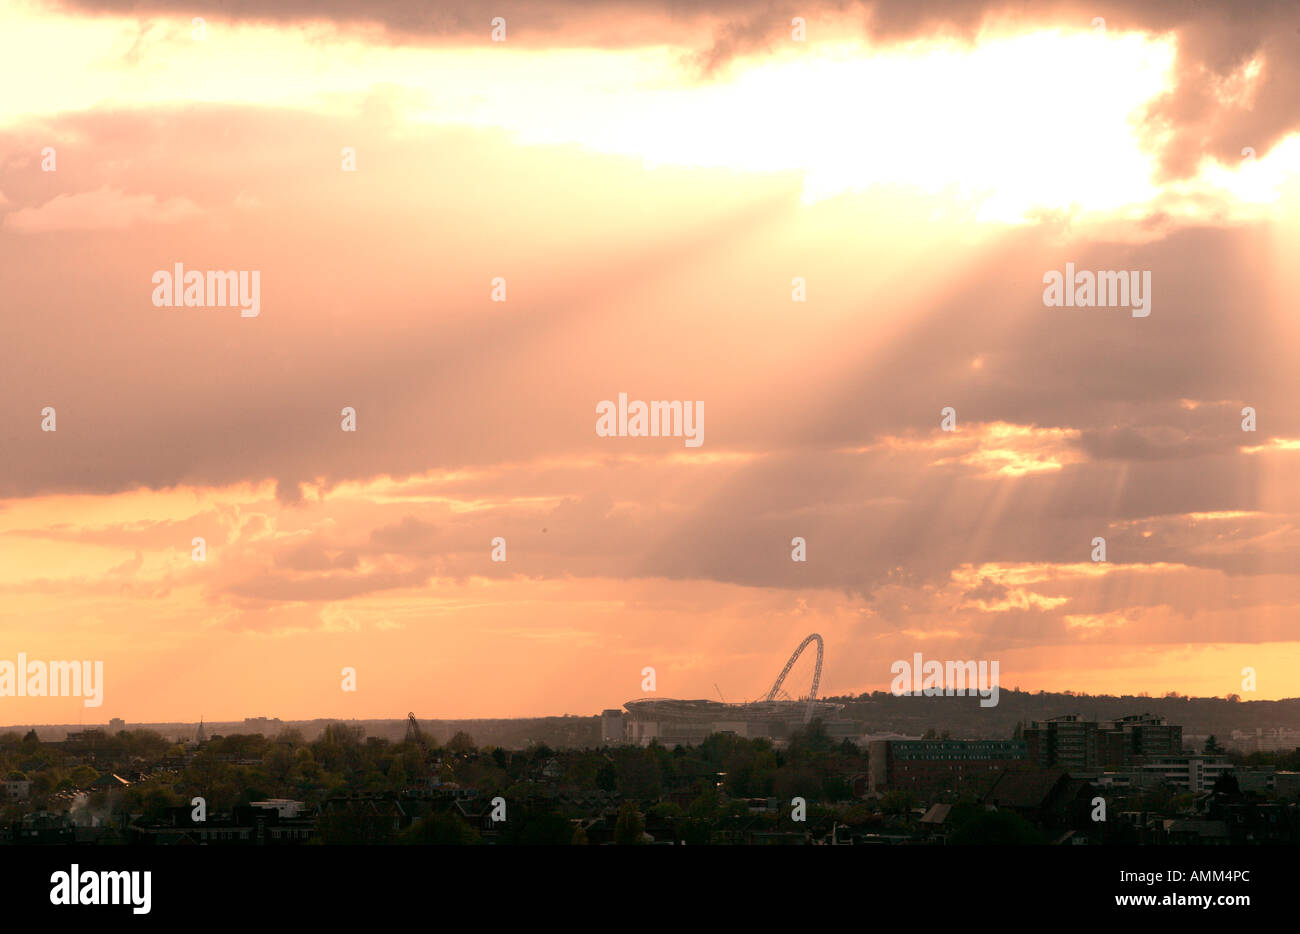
x=566 y=731
x=878 y=712
x=963 y=716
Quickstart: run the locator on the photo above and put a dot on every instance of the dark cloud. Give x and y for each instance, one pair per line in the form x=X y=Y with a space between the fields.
x=288 y=492
x=987 y=591
x=1192 y=121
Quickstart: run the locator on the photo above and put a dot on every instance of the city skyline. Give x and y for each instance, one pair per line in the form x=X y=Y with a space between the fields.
x=1065 y=700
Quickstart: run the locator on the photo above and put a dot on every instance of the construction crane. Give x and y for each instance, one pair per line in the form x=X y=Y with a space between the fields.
x=413 y=734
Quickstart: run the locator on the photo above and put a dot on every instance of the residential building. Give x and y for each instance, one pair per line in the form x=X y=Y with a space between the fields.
x=612 y=729
x=1286 y=785
x=926 y=766
x=1073 y=743
x=1194 y=772
x=17 y=787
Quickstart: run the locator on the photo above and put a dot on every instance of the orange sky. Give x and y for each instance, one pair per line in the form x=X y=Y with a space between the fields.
x=648 y=183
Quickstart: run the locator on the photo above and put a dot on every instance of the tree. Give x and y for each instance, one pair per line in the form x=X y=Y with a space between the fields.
x=352 y=823
x=1000 y=828
x=808 y=741
x=1212 y=745
x=462 y=742
x=397 y=775
x=666 y=810
x=695 y=832
x=1158 y=798
x=607 y=777
x=43 y=783
x=440 y=830
x=706 y=807
x=629 y=827
x=278 y=762
x=639 y=774
x=543 y=828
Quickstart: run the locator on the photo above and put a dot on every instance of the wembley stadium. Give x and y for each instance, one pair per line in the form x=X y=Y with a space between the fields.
x=672 y=721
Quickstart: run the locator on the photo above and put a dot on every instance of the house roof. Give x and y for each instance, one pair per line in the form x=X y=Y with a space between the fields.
x=1203 y=828
x=937 y=814
x=1016 y=788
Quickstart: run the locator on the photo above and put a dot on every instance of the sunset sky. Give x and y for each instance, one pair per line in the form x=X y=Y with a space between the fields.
x=648 y=178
